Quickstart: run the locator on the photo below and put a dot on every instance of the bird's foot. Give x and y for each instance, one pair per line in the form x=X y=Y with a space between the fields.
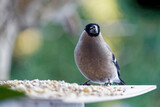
x=86 y=83
x=108 y=83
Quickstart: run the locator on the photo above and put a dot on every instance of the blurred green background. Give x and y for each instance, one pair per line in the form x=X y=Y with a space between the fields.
x=130 y=27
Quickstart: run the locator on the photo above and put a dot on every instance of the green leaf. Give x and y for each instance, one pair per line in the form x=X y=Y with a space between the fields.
x=6 y=93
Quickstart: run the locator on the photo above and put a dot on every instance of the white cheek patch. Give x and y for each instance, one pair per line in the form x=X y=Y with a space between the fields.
x=96 y=29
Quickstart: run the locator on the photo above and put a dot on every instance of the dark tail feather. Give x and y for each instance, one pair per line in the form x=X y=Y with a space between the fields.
x=121 y=82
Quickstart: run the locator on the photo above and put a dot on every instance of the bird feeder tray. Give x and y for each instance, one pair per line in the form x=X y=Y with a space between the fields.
x=52 y=92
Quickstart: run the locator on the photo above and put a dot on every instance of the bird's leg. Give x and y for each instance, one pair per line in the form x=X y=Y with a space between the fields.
x=86 y=83
x=108 y=83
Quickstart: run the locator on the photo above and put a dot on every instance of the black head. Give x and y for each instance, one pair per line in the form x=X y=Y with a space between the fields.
x=92 y=29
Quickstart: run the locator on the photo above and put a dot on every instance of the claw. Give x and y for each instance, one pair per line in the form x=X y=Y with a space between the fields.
x=108 y=83
x=86 y=83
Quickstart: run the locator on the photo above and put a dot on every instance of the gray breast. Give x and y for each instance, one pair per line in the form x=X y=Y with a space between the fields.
x=94 y=60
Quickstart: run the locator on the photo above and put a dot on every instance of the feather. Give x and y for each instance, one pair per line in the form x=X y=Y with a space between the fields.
x=118 y=69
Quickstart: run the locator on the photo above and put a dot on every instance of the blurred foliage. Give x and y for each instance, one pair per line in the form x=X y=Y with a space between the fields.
x=135 y=9
x=6 y=93
x=138 y=54
x=55 y=59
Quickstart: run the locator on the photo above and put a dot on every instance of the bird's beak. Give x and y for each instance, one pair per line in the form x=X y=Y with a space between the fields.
x=94 y=29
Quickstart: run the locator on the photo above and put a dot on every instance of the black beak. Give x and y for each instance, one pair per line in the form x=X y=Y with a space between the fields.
x=93 y=29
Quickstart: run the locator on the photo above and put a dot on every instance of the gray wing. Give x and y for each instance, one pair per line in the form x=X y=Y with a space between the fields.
x=116 y=64
x=118 y=69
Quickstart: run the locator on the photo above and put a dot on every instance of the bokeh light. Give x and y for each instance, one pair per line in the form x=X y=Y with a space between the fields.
x=28 y=42
x=101 y=10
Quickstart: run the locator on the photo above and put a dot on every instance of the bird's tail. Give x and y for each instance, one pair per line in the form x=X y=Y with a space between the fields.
x=121 y=82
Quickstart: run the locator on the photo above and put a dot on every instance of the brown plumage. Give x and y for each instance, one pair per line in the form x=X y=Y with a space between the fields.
x=94 y=57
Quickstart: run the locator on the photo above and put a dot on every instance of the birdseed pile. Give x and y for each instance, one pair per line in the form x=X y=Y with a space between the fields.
x=59 y=89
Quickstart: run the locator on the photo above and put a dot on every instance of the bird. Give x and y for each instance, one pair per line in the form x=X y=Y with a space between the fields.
x=95 y=59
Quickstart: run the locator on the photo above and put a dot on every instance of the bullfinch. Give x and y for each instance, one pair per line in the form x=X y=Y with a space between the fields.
x=95 y=59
